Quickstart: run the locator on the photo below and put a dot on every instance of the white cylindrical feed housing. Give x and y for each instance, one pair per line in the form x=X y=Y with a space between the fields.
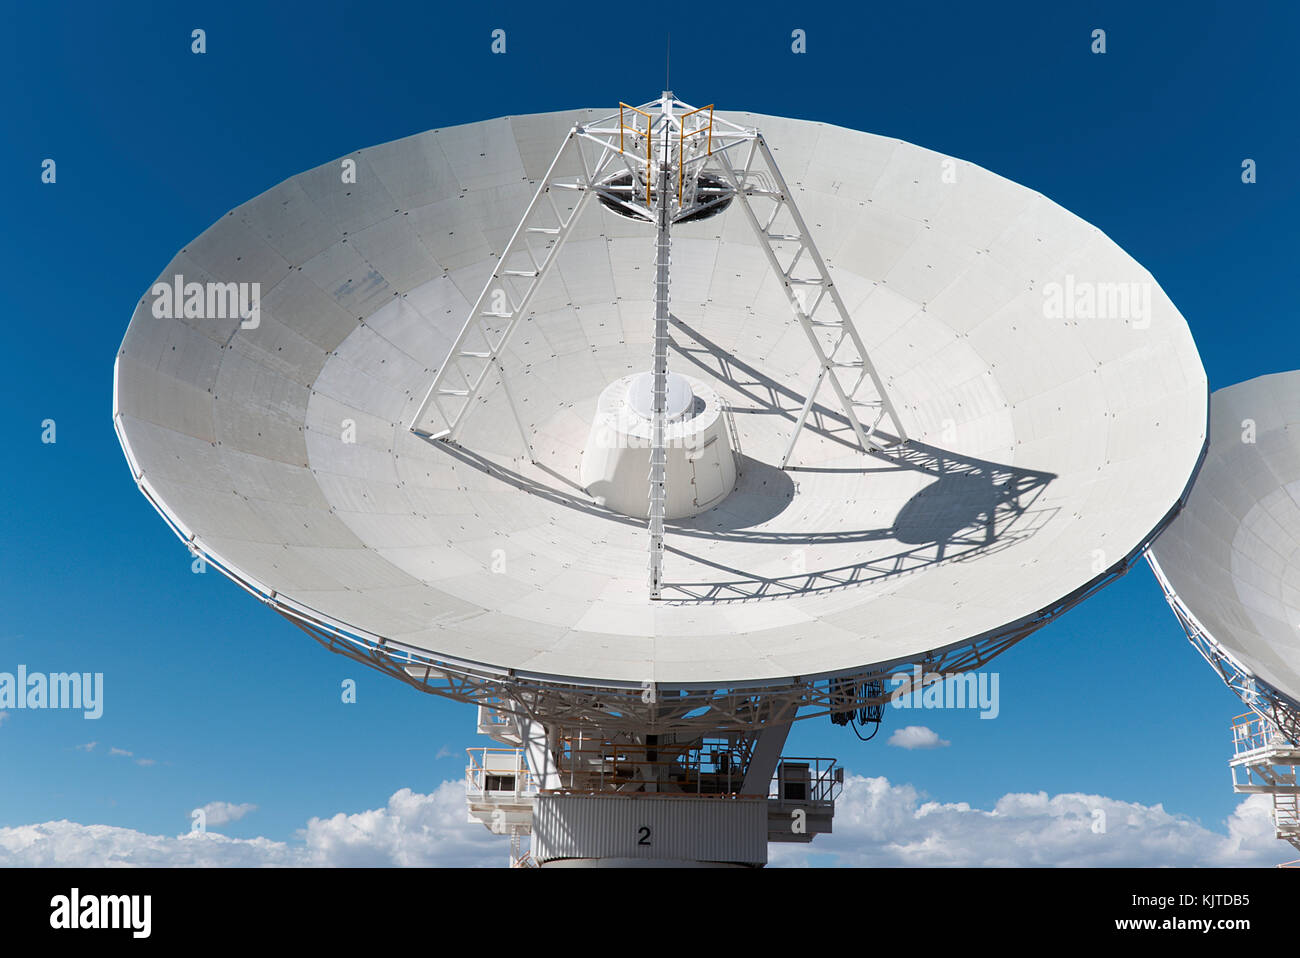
x=701 y=469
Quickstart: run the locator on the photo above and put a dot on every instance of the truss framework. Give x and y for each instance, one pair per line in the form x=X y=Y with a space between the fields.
x=651 y=707
x=617 y=161
x=818 y=308
x=496 y=314
x=1261 y=698
x=635 y=168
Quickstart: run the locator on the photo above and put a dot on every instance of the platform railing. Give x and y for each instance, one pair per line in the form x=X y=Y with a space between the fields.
x=714 y=768
x=490 y=769
x=806 y=779
x=1252 y=733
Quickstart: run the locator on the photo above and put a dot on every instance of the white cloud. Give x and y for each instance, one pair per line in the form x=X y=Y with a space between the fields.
x=412 y=829
x=64 y=843
x=444 y=752
x=880 y=824
x=876 y=824
x=88 y=747
x=219 y=813
x=917 y=736
x=113 y=751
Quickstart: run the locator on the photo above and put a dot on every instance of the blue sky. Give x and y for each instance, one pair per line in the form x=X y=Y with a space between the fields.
x=152 y=143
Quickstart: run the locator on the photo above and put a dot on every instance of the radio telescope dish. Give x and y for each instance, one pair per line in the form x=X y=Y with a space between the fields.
x=789 y=407
x=1230 y=563
x=1229 y=566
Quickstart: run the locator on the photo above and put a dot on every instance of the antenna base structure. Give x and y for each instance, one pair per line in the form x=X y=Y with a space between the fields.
x=1271 y=707
x=587 y=797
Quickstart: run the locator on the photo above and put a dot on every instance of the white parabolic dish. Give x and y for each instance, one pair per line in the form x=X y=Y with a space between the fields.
x=1232 y=557
x=1047 y=446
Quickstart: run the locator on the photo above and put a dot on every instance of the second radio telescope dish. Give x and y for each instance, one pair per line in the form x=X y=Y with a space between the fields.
x=1053 y=399
x=1231 y=560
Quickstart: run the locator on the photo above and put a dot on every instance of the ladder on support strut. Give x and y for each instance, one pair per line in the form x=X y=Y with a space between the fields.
x=658 y=454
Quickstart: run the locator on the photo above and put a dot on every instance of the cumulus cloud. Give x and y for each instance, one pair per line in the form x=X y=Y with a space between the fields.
x=67 y=844
x=411 y=830
x=219 y=813
x=880 y=824
x=877 y=824
x=917 y=736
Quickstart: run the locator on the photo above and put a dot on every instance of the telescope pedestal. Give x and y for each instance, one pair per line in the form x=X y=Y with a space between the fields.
x=593 y=798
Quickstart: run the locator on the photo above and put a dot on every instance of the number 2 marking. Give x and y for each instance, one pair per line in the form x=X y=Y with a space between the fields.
x=643 y=835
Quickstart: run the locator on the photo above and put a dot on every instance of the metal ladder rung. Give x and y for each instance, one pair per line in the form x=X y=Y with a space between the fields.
x=548 y=230
x=444 y=391
x=530 y=273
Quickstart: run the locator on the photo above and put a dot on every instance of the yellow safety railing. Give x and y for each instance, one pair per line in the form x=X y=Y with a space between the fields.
x=649 y=125
x=624 y=127
x=1249 y=733
x=681 y=141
